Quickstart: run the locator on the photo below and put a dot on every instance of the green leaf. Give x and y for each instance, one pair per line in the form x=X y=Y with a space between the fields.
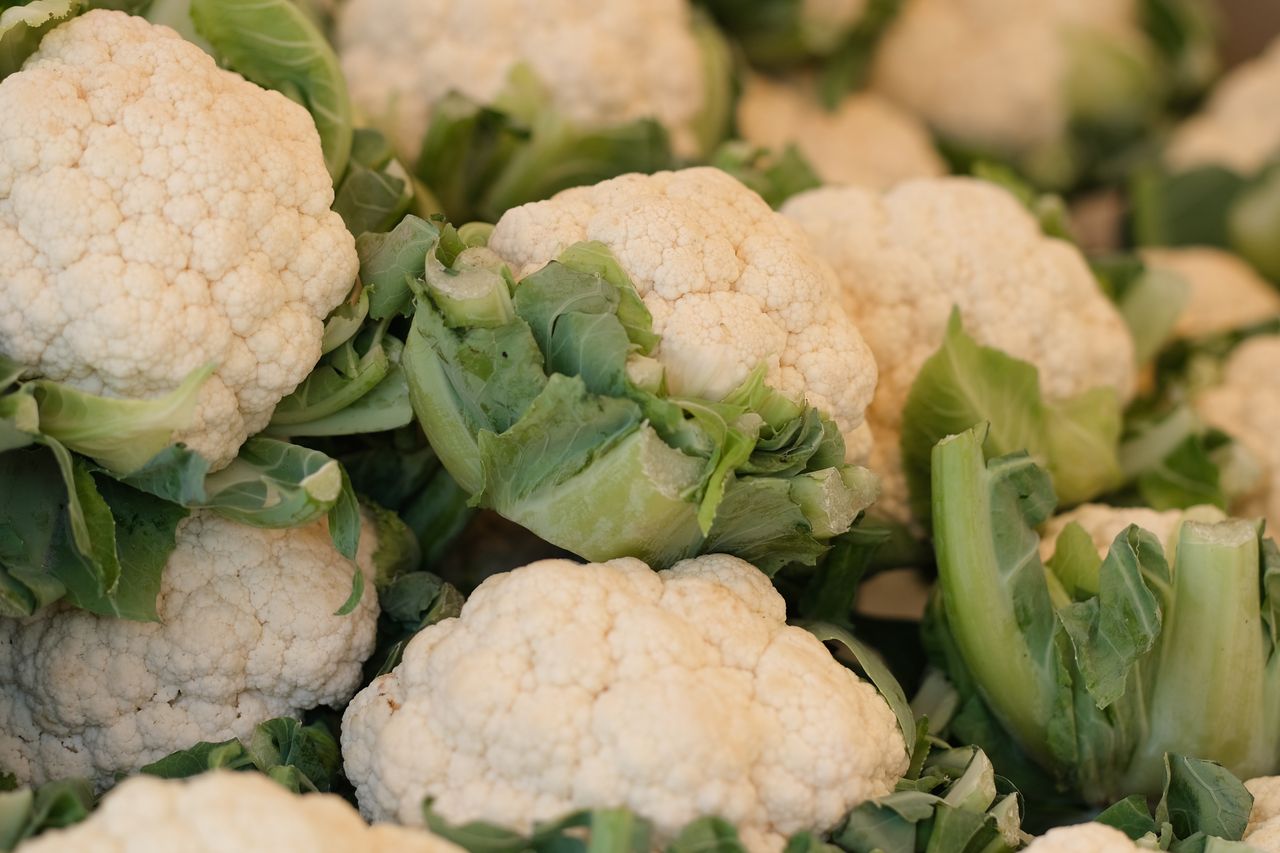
x=337 y=383
x=22 y=27
x=274 y=484
x=274 y=44
x=1191 y=208
x=389 y=260
x=372 y=200
x=1075 y=563
x=1254 y=220
x=776 y=176
x=25 y=813
x=204 y=756
x=1132 y=816
x=119 y=434
x=705 y=835
x=310 y=750
x=1202 y=796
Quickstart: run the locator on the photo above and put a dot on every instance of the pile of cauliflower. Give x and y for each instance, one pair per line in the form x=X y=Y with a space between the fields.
x=183 y=255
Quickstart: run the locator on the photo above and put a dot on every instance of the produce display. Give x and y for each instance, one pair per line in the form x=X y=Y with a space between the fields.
x=698 y=426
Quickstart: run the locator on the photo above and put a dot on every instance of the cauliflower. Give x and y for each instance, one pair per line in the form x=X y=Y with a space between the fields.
x=676 y=694
x=866 y=141
x=1225 y=292
x=247 y=632
x=730 y=285
x=1104 y=523
x=222 y=811
x=1263 y=831
x=1083 y=838
x=1011 y=76
x=1239 y=127
x=906 y=257
x=1245 y=406
x=603 y=63
x=157 y=214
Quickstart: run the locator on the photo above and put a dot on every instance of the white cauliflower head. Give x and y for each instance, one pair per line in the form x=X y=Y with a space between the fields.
x=994 y=73
x=730 y=283
x=1263 y=831
x=906 y=257
x=224 y=811
x=157 y=214
x=866 y=140
x=1239 y=127
x=1246 y=406
x=1104 y=523
x=1226 y=293
x=677 y=694
x=602 y=63
x=247 y=632
x=1083 y=838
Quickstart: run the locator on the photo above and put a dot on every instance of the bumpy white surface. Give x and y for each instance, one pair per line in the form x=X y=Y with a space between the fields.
x=1083 y=838
x=223 y=811
x=1239 y=127
x=1226 y=293
x=730 y=283
x=246 y=633
x=156 y=214
x=1263 y=831
x=991 y=72
x=906 y=257
x=1104 y=523
x=603 y=63
x=1246 y=406
x=678 y=694
x=866 y=141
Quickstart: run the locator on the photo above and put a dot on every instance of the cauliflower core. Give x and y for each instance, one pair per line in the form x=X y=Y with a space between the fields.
x=224 y=811
x=730 y=283
x=1226 y=293
x=602 y=63
x=993 y=73
x=246 y=633
x=905 y=258
x=866 y=141
x=1245 y=406
x=1083 y=838
x=680 y=694
x=1239 y=127
x=157 y=214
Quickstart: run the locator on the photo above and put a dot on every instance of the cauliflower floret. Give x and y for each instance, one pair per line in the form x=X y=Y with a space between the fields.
x=223 y=811
x=730 y=284
x=1083 y=838
x=677 y=694
x=994 y=73
x=1104 y=523
x=905 y=258
x=603 y=63
x=1263 y=831
x=866 y=141
x=1246 y=406
x=1226 y=293
x=157 y=214
x=1239 y=127
x=247 y=632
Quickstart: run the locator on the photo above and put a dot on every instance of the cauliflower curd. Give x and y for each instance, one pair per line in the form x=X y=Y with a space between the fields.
x=677 y=694
x=158 y=214
x=602 y=63
x=729 y=282
x=906 y=257
x=247 y=632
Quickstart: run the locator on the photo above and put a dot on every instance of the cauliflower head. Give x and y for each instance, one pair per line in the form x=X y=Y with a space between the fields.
x=1104 y=523
x=247 y=632
x=603 y=63
x=906 y=257
x=1245 y=405
x=221 y=811
x=158 y=213
x=1239 y=127
x=677 y=694
x=729 y=282
x=1083 y=838
x=866 y=140
x=1263 y=831
x=1226 y=293
x=996 y=73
